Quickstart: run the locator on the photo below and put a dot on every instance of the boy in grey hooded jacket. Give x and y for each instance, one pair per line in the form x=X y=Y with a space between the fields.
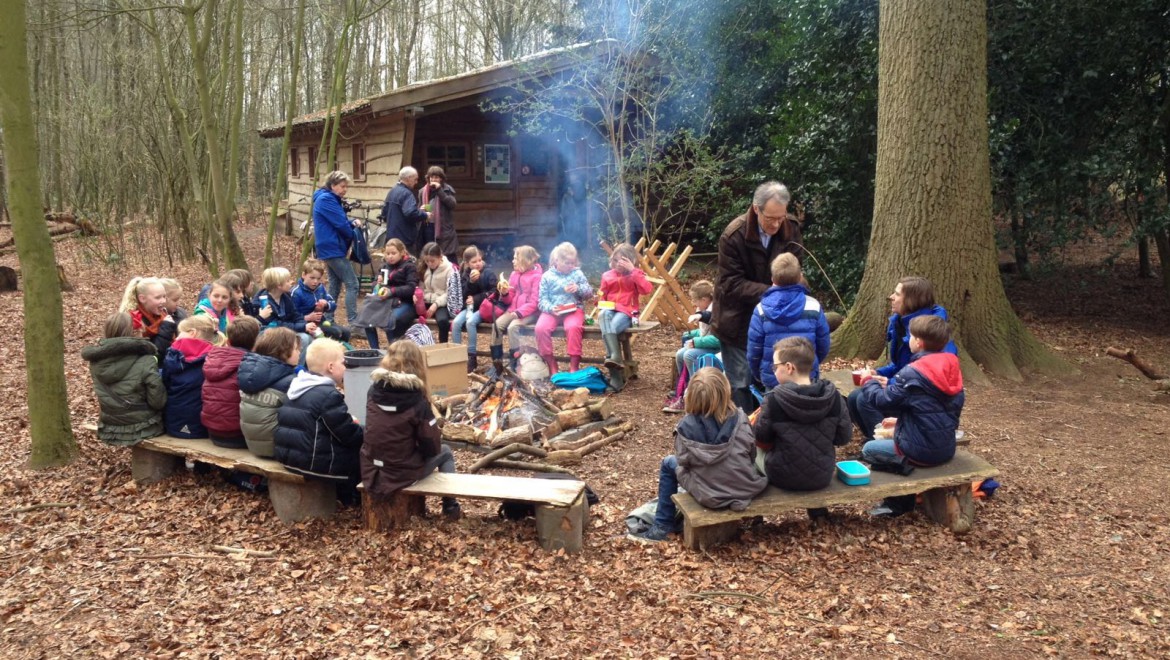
x=714 y=455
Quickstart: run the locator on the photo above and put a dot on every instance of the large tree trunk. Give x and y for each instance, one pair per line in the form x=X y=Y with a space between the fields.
x=44 y=344
x=932 y=210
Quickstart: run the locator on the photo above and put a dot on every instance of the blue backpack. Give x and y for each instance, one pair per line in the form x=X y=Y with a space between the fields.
x=361 y=249
x=589 y=377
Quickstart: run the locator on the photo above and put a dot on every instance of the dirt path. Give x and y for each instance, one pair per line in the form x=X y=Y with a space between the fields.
x=1069 y=558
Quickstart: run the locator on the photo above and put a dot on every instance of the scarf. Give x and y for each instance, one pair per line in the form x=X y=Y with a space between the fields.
x=436 y=209
x=149 y=323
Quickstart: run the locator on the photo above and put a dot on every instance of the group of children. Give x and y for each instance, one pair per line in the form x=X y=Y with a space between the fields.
x=724 y=460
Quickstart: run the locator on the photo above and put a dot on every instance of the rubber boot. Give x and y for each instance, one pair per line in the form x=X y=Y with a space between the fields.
x=552 y=364
x=574 y=362
x=613 y=351
x=471 y=361
x=497 y=355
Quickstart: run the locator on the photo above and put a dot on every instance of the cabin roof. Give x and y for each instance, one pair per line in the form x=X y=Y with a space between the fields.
x=439 y=90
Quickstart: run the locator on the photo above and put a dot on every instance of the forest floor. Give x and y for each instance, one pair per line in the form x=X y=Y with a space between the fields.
x=1070 y=557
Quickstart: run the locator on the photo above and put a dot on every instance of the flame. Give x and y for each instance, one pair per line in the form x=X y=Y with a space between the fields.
x=495 y=407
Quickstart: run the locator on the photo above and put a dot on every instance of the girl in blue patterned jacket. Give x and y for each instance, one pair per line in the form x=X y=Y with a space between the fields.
x=563 y=291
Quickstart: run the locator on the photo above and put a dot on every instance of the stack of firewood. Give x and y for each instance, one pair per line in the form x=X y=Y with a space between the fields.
x=507 y=415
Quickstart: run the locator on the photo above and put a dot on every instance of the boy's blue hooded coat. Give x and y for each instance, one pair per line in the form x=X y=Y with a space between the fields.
x=182 y=374
x=305 y=299
x=927 y=398
x=785 y=311
x=898 y=339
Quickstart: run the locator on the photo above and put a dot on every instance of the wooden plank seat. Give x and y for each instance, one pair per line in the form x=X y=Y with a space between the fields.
x=293 y=496
x=946 y=492
x=561 y=510
x=618 y=377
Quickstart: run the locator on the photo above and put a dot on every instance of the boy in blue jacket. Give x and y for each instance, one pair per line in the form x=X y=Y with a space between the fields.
x=314 y=303
x=276 y=308
x=785 y=311
x=926 y=396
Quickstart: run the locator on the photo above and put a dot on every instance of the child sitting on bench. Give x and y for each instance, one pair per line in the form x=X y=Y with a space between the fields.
x=714 y=456
x=563 y=290
x=696 y=343
x=926 y=396
x=130 y=392
x=623 y=285
x=182 y=374
x=402 y=442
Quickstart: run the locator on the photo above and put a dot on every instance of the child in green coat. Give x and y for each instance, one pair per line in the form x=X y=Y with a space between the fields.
x=696 y=343
x=125 y=377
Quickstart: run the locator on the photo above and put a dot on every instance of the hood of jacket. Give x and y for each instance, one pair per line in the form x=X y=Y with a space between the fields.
x=784 y=304
x=305 y=381
x=708 y=439
x=394 y=391
x=940 y=370
x=191 y=348
x=807 y=404
x=106 y=367
x=260 y=372
x=222 y=362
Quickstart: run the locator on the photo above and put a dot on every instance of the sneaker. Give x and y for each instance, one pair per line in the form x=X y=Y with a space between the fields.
x=452 y=512
x=882 y=510
x=653 y=535
x=675 y=405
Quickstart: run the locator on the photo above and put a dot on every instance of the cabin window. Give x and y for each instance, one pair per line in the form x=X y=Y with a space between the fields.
x=451 y=156
x=312 y=162
x=359 y=161
x=294 y=162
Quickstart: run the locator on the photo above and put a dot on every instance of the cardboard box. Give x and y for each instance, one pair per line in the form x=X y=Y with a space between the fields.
x=446 y=369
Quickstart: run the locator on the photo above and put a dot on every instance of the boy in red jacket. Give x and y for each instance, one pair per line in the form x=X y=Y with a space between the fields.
x=221 y=386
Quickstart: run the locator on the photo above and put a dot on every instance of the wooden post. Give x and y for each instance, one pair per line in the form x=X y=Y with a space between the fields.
x=952 y=507
x=702 y=538
x=387 y=514
x=294 y=502
x=148 y=467
x=559 y=527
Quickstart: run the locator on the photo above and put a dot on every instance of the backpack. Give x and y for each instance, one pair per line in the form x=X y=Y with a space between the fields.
x=361 y=249
x=589 y=377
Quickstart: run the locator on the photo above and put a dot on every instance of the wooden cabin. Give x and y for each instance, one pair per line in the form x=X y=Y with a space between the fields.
x=508 y=183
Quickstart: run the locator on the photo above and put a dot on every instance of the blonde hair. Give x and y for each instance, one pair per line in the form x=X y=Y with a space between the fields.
x=137 y=287
x=312 y=265
x=321 y=352
x=526 y=254
x=204 y=328
x=563 y=253
x=702 y=289
x=623 y=250
x=171 y=284
x=785 y=270
x=119 y=325
x=709 y=395
x=404 y=356
x=274 y=277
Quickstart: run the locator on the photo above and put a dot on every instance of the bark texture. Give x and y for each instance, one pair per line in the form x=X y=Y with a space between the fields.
x=44 y=343
x=932 y=210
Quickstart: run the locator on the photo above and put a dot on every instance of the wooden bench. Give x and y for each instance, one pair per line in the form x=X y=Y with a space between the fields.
x=946 y=492
x=293 y=496
x=561 y=510
x=618 y=377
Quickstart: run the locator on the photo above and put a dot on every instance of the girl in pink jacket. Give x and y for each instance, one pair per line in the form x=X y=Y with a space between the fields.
x=515 y=303
x=623 y=285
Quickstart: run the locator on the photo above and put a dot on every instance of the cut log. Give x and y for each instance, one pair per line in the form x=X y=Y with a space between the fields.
x=569 y=399
x=386 y=514
x=570 y=419
x=533 y=466
x=448 y=401
x=614 y=429
x=590 y=448
x=564 y=457
x=1131 y=357
x=464 y=433
x=479 y=378
x=578 y=443
x=602 y=409
x=520 y=434
x=503 y=452
x=574 y=434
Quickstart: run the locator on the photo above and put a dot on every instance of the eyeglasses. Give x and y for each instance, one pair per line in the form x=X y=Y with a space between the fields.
x=776 y=366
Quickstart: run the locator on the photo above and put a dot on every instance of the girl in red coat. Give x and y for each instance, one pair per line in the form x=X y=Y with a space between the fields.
x=221 y=386
x=622 y=286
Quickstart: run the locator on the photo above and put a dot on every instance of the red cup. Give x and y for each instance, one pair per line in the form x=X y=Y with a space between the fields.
x=858 y=374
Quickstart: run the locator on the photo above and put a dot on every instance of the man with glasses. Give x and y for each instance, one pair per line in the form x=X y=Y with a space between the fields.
x=746 y=250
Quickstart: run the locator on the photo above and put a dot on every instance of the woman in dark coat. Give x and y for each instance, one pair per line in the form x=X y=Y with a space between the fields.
x=440 y=225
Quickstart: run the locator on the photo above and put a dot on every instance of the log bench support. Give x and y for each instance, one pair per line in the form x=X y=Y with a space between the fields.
x=309 y=499
x=151 y=467
x=945 y=489
x=561 y=527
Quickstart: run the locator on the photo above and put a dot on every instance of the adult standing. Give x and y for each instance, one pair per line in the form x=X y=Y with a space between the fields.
x=440 y=226
x=401 y=211
x=746 y=250
x=333 y=234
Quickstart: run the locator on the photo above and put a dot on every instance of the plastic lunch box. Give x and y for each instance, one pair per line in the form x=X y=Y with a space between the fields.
x=853 y=473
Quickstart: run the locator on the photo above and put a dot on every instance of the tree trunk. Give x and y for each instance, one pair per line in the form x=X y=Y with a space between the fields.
x=44 y=345
x=289 y=112
x=932 y=208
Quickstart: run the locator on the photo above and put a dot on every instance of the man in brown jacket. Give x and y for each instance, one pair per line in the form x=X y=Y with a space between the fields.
x=746 y=250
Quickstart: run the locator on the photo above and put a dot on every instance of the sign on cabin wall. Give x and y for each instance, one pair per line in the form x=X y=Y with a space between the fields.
x=497 y=163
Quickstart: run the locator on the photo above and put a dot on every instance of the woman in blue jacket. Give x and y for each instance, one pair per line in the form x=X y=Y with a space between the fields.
x=333 y=233
x=912 y=297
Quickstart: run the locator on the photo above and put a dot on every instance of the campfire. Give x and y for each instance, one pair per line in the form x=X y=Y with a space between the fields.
x=511 y=416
